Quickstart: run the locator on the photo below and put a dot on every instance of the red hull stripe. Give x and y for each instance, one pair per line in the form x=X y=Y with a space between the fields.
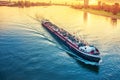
x=61 y=37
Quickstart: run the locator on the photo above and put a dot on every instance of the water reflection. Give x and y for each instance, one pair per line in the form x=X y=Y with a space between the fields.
x=114 y=21
x=85 y=16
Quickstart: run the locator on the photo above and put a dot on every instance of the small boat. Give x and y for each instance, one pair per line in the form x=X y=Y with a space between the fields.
x=76 y=45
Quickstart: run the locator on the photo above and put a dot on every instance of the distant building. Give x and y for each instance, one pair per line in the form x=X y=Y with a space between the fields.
x=86 y=3
x=99 y=5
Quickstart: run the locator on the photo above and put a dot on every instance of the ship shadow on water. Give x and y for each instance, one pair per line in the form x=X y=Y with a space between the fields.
x=93 y=68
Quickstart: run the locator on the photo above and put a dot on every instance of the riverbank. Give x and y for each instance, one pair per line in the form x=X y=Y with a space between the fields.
x=103 y=13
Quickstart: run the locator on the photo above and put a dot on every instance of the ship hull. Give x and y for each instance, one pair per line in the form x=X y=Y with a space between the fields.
x=69 y=45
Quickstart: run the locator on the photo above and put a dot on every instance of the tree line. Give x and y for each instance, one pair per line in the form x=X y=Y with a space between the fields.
x=115 y=8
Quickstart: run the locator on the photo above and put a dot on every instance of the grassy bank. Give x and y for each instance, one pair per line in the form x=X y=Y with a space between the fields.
x=103 y=13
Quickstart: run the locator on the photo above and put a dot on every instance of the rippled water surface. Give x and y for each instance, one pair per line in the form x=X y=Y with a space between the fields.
x=29 y=52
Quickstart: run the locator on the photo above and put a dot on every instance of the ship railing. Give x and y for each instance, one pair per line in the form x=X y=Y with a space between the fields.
x=72 y=38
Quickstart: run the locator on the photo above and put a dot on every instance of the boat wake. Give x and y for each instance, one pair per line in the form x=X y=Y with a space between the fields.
x=64 y=48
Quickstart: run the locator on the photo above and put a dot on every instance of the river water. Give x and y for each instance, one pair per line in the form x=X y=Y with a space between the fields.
x=29 y=52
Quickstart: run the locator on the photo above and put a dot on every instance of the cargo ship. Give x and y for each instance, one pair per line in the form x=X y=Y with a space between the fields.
x=78 y=46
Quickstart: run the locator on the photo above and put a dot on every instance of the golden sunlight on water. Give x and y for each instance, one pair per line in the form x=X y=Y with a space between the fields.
x=67 y=18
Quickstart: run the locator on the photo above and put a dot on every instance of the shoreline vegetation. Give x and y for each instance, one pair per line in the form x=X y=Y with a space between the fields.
x=102 y=9
x=112 y=11
x=102 y=13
